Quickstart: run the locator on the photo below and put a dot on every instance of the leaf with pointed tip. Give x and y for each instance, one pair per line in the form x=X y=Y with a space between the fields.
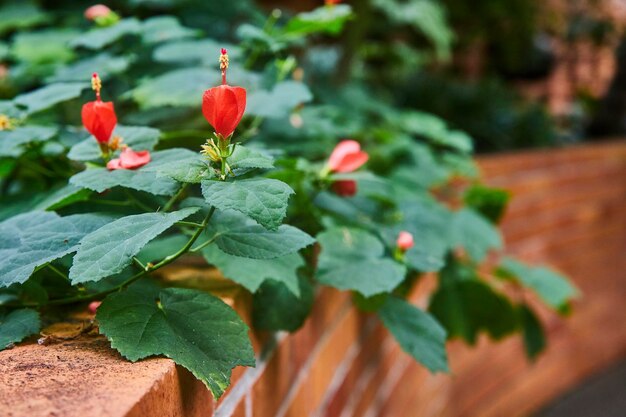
x=262 y=199
x=417 y=332
x=111 y=248
x=33 y=239
x=193 y=328
x=243 y=158
x=353 y=259
x=101 y=179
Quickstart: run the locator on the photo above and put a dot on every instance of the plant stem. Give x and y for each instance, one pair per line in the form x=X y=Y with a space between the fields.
x=148 y=269
x=190 y=224
x=175 y=197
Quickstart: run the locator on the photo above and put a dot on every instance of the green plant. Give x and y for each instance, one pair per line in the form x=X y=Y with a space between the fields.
x=89 y=219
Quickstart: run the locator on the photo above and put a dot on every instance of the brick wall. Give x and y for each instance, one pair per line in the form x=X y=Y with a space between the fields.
x=569 y=210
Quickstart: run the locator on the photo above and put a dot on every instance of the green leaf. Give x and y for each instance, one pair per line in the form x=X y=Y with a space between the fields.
x=251 y=273
x=554 y=289
x=237 y=235
x=474 y=233
x=106 y=64
x=17 y=325
x=181 y=165
x=182 y=87
x=191 y=51
x=111 y=248
x=353 y=259
x=33 y=239
x=160 y=248
x=423 y=261
x=245 y=158
x=329 y=20
x=490 y=202
x=534 y=336
x=13 y=142
x=275 y=307
x=417 y=332
x=137 y=137
x=279 y=102
x=464 y=306
x=98 y=38
x=20 y=15
x=262 y=199
x=50 y=95
x=434 y=129
x=64 y=196
x=43 y=47
x=193 y=328
x=164 y=28
x=101 y=179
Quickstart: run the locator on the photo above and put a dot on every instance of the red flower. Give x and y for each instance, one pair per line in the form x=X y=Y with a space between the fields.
x=347 y=157
x=404 y=241
x=344 y=188
x=223 y=106
x=98 y=116
x=97 y=10
x=93 y=306
x=129 y=159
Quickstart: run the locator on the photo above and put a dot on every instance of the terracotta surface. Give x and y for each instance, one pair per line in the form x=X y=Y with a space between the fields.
x=569 y=210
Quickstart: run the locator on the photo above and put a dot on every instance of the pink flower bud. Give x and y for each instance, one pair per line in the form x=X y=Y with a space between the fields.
x=93 y=306
x=129 y=159
x=404 y=241
x=347 y=157
x=95 y=11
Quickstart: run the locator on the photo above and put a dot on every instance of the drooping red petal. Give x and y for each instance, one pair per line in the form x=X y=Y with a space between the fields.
x=223 y=107
x=129 y=159
x=347 y=157
x=99 y=119
x=344 y=188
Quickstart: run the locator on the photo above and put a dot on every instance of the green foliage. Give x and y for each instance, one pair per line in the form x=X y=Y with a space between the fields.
x=17 y=325
x=532 y=330
x=352 y=259
x=474 y=233
x=108 y=250
x=49 y=96
x=417 y=332
x=137 y=137
x=276 y=307
x=180 y=324
x=490 y=202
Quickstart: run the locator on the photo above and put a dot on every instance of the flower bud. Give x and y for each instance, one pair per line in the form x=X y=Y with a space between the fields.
x=404 y=241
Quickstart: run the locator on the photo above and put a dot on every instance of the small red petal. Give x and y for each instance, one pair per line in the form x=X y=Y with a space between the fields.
x=347 y=157
x=114 y=164
x=223 y=108
x=130 y=159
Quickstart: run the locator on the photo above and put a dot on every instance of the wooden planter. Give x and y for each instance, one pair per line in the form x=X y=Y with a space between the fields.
x=569 y=210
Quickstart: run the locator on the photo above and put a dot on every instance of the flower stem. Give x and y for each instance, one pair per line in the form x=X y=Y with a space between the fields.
x=175 y=197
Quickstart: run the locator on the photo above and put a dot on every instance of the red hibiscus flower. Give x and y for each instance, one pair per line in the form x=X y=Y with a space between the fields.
x=129 y=159
x=223 y=106
x=98 y=116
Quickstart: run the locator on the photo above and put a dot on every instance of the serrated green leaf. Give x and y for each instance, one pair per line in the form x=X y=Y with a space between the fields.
x=137 y=137
x=464 y=306
x=181 y=87
x=244 y=158
x=98 y=38
x=275 y=307
x=164 y=28
x=16 y=325
x=193 y=328
x=181 y=165
x=237 y=235
x=48 y=96
x=262 y=199
x=105 y=63
x=554 y=289
x=417 y=332
x=353 y=259
x=13 y=142
x=111 y=248
x=474 y=233
x=251 y=273
x=33 y=239
x=279 y=102
x=101 y=179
